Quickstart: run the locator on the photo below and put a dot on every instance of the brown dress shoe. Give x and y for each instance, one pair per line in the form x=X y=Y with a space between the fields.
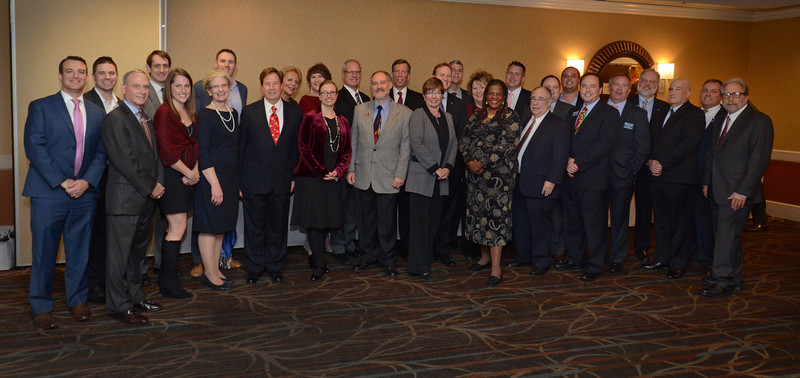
x=131 y=317
x=45 y=320
x=197 y=271
x=235 y=264
x=81 y=312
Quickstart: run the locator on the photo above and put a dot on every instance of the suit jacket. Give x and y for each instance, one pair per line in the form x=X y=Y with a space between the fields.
x=523 y=106
x=455 y=106
x=134 y=166
x=50 y=146
x=675 y=144
x=427 y=155
x=563 y=110
x=466 y=98
x=152 y=103
x=413 y=100
x=93 y=97
x=202 y=99
x=632 y=147
x=265 y=166
x=660 y=110
x=545 y=158
x=377 y=164
x=705 y=143
x=591 y=146
x=740 y=161
x=345 y=103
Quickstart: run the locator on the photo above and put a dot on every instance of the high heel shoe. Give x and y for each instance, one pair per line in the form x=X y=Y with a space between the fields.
x=493 y=281
x=318 y=273
x=478 y=267
x=224 y=286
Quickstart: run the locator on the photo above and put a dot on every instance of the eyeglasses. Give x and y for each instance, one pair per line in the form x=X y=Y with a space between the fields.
x=353 y=72
x=326 y=93
x=732 y=94
x=433 y=93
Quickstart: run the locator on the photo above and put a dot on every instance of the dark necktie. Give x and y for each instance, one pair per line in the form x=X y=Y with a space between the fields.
x=400 y=97
x=358 y=99
x=144 y=121
x=376 y=125
x=669 y=115
x=724 y=130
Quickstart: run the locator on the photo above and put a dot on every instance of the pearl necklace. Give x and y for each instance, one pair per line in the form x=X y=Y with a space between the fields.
x=230 y=119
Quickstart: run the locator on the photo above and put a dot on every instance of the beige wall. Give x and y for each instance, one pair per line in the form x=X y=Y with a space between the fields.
x=303 y=32
x=6 y=134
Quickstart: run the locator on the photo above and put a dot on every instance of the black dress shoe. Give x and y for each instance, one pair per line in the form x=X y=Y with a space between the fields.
x=568 y=265
x=147 y=305
x=675 y=273
x=362 y=266
x=97 y=295
x=252 y=278
x=656 y=266
x=589 y=276
x=424 y=276
x=711 y=281
x=131 y=317
x=342 y=259
x=318 y=273
x=447 y=261
x=146 y=280
x=493 y=281
x=516 y=264
x=478 y=267
x=276 y=277
x=641 y=255
x=717 y=291
x=538 y=270
x=212 y=286
x=390 y=271
x=757 y=228
x=614 y=267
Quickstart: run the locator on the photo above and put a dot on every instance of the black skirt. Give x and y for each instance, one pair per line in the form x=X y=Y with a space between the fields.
x=317 y=203
x=178 y=198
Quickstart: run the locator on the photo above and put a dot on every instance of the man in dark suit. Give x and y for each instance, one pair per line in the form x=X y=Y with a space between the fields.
x=518 y=97
x=559 y=108
x=135 y=174
x=570 y=80
x=627 y=159
x=343 y=240
x=67 y=159
x=105 y=74
x=738 y=158
x=656 y=109
x=225 y=61
x=543 y=153
x=378 y=167
x=710 y=98
x=267 y=177
x=457 y=69
x=401 y=93
x=673 y=165
x=594 y=127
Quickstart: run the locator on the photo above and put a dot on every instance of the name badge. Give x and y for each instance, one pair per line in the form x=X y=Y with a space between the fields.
x=575 y=113
x=627 y=126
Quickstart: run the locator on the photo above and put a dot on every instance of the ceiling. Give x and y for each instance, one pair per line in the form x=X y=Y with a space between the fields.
x=744 y=5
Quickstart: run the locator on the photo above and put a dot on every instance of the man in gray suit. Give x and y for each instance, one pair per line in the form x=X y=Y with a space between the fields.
x=378 y=168
x=740 y=150
x=159 y=64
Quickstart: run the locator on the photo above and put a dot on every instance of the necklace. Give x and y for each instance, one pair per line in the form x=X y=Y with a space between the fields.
x=334 y=140
x=230 y=119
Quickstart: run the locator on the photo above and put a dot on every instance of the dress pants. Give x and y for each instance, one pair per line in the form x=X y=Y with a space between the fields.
x=759 y=209
x=403 y=218
x=430 y=231
x=128 y=237
x=728 y=226
x=266 y=229
x=586 y=224
x=343 y=239
x=674 y=222
x=378 y=226
x=96 y=269
x=644 y=210
x=558 y=240
x=50 y=218
x=704 y=229
x=619 y=204
x=532 y=228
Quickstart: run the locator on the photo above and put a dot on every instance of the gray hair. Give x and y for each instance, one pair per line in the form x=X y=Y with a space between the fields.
x=133 y=71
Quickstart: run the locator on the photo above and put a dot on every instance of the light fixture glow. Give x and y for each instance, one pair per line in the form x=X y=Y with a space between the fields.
x=577 y=63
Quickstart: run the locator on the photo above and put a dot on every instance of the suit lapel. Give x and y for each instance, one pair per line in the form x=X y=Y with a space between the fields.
x=389 y=123
x=137 y=125
x=737 y=126
x=63 y=112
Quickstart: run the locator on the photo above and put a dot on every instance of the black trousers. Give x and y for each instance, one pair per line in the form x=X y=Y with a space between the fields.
x=674 y=222
x=558 y=240
x=266 y=229
x=704 y=228
x=429 y=234
x=96 y=270
x=127 y=240
x=532 y=228
x=619 y=205
x=644 y=209
x=586 y=226
x=378 y=226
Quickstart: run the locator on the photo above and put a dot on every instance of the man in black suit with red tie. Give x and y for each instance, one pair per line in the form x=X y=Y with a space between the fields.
x=656 y=109
x=594 y=130
x=542 y=154
x=401 y=93
x=267 y=177
x=673 y=165
x=738 y=158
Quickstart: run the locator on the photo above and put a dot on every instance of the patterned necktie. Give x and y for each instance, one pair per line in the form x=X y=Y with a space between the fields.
x=358 y=99
x=376 y=125
x=724 y=130
x=274 y=125
x=644 y=104
x=144 y=121
x=400 y=97
x=77 y=125
x=581 y=117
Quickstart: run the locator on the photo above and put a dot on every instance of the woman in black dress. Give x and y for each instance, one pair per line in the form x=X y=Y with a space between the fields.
x=217 y=195
x=324 y=144
x=175 y=129
x=489 y=146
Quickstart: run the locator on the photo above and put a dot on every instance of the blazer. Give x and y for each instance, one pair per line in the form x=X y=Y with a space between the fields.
x=413 y=100
x=660 y=110
x=50 y=145
x=345 y=103
x=312 y=142
x=377 y=164
x=675 y=144
x=740 y=161
x=459 y=112
x=427 y=155
x=545 y=158
x=134 y=167
x=523 y=107
x=93 y=97
x=591 y=146
x=265 y=166
x=563 y=110
x=705 y=143
x=632 y=146
x=152 y=103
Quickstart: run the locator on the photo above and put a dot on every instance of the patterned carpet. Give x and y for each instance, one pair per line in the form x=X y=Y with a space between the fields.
x=348 y=324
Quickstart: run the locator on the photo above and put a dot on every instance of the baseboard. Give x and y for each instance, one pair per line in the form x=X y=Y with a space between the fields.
x=783 y=210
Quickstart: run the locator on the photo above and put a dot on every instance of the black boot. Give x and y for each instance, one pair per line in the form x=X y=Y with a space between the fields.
x=168 y=275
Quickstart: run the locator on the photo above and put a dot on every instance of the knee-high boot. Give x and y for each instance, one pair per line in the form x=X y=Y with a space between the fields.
x=168 y=275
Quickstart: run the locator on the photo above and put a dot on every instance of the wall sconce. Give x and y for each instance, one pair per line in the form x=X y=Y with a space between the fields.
x=577 y=63
x=667 y=72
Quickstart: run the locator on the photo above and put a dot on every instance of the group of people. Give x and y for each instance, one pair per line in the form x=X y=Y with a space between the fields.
x=543 y=168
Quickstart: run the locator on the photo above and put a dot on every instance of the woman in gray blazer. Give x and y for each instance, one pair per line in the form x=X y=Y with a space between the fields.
x=433 y=153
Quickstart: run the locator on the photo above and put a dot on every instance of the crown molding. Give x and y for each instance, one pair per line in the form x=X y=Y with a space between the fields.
x=656 y=10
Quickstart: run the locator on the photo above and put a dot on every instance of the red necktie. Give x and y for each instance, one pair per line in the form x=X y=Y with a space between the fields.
x=724 y=130
x=400 y=97
x=77 y=124
x=274 y=127
x=581 y=117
